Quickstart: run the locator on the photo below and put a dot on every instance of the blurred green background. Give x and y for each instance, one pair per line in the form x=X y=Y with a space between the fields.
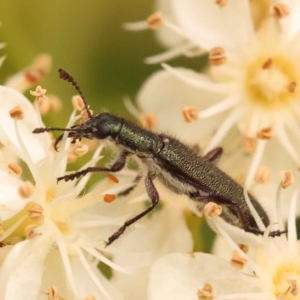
x=85 y=38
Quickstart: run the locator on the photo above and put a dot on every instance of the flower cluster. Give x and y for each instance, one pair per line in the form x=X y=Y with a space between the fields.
x=250 y=85
x=50 y=237
x=52 y=234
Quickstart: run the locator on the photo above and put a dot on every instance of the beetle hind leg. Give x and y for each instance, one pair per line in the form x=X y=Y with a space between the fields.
x=154 y=197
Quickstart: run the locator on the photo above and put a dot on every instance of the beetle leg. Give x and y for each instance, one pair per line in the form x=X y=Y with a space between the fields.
x=273 y=233
x=117 y=166
x=154 y=197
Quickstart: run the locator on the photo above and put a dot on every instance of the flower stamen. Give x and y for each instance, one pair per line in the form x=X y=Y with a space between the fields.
x=294 y=286
x=14 y=169
x=78 y=103
x=292 y=87
x=148 y=120
x=190 y=113
x=109 y=198
x=249 y=144
x=35 y=212
x=84 y=115
x=237 y=261
x=53 y=293
x=280 y=10
x=263 y=175
x=287 y=179
x=205 y=292
x=16 y=113
x=113 y=178
x=80 y=149
x=39 y=92
x=267 y=64
x=29 y=231
x=26 y=189
x=221 y=2
x=155 y=20
x=217 y=56
x=212 y=210
x=266 y=133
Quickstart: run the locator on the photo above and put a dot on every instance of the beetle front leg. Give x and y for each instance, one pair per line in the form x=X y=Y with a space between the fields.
x=118 y=165
x=154 y=197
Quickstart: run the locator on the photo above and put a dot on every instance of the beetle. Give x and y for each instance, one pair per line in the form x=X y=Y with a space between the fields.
x=172 y=162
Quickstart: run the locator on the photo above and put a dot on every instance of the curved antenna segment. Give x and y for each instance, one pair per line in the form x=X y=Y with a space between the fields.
x=66 y=76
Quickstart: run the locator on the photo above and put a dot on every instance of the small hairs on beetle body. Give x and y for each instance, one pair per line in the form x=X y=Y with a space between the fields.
x=177 y=166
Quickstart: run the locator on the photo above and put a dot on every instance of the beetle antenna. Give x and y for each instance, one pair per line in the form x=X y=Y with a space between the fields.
x=47 y=129
x=66 y=76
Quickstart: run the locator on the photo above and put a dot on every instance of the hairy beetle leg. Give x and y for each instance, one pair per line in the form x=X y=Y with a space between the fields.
x=117 y=166
x=154 y=197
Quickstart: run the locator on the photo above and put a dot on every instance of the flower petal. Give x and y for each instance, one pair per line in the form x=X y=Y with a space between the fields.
x=21 y=272
x=86 y=286
x=9 y=98
x=167 y=37
x=165 y=232
x=133 y=287
x=10 y=199
x=166 y=96
x=196 y=16
x=180 y=276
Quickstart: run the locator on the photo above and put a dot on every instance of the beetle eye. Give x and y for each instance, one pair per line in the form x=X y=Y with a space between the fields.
x=103 y=131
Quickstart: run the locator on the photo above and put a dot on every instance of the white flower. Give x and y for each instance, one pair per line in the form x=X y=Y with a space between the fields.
x=30 y=75
x=57 y=236
x=165 y=231
x=274 y=274
x=251 y=86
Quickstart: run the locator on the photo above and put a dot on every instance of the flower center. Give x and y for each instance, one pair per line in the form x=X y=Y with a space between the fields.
x=287 y=277
x=271 y=82
x=50 y=195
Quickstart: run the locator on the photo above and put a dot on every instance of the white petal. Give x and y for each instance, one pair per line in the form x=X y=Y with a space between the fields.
x=55 y=275
x=180 y=276
x=21 y=273
x=86 y=286
x=292 y=22
x=9 y=98
x=196 y=79
x=167 y=37
x=177 y=50
x=133 y=287
x=165 y=232
x=226 y=24
x=166 y=96
x=10 y=200
x=222 y=249
x=238 y=235
x=4 y=251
